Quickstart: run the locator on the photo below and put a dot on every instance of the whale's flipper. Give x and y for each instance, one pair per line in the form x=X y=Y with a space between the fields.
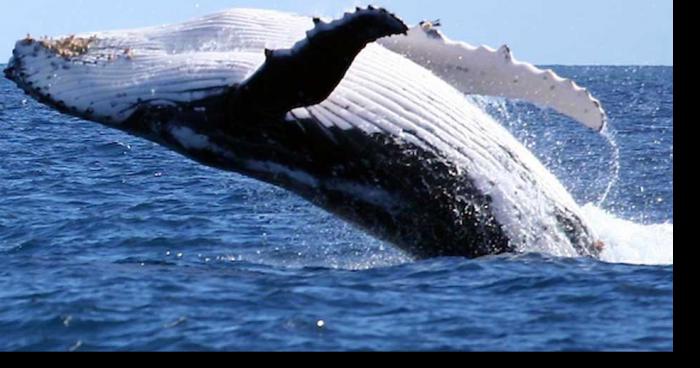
x=490 y=72
x=308 y=73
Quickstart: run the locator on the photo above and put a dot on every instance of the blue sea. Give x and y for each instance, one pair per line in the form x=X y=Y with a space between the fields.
x=108 y=242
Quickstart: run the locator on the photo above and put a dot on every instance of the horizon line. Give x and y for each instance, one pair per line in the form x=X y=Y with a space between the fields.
x=541 y=64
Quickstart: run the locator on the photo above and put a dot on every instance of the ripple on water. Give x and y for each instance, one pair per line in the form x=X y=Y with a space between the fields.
x=112 y=243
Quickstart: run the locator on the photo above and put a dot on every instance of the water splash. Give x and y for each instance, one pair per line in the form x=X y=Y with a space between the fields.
x=609 y=135
x=626 y=241
x=630 y=242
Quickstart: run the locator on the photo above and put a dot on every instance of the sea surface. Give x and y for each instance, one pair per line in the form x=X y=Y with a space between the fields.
x=108 y=242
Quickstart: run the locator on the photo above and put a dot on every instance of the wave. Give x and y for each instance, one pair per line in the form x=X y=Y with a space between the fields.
x=630 y=242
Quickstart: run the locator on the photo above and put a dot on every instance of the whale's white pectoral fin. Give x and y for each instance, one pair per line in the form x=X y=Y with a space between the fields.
x=490 y=72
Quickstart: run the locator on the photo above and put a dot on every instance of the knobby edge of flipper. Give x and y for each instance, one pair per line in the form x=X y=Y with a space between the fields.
x=486 y=71
x=310 y=71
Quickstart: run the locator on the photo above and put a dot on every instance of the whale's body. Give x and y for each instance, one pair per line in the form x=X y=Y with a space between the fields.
x=394 y=148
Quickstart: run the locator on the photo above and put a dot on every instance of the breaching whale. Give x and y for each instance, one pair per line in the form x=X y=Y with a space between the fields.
x=361 y=116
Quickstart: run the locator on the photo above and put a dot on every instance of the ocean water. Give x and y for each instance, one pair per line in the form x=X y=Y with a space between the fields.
x=108 y=242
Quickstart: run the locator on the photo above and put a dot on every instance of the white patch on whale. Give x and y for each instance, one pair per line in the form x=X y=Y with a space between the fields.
x=366 y=193
x=189 y=139
x=281 y=170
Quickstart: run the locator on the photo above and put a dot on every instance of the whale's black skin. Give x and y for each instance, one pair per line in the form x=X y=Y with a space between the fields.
x=413 y=197
x=433 y=210
x=423 y=206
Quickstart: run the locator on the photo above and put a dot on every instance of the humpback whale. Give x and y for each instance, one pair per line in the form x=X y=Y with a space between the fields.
x=362 y=116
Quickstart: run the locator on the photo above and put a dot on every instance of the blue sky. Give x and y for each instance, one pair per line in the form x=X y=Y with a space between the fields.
x=540 y=31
